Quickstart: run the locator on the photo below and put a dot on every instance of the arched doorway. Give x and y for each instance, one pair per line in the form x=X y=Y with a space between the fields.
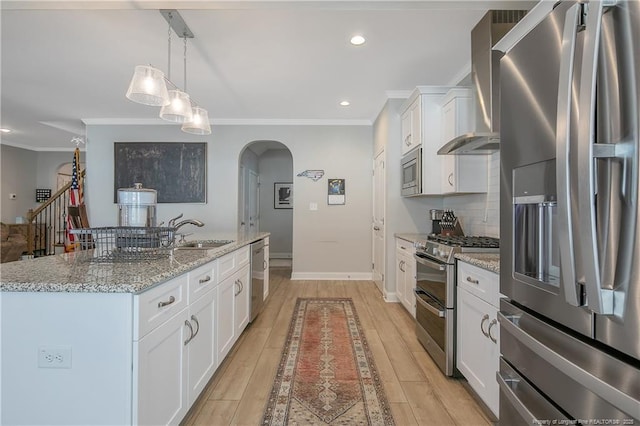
x=265 y=166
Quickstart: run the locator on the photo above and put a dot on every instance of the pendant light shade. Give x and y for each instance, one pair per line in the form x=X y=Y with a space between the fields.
x=179 y=108
x=148 y=87
x=199 y=124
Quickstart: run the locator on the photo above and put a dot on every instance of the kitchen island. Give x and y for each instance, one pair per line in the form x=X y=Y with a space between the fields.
x=120 y=343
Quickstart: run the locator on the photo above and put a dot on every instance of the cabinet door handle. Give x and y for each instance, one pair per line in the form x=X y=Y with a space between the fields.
x=237 y=292
x=170 y=301
x=484 y=318
x=407 y=140
x=472 y=281
x=188 y=324
x=241 y=286
x=376 y=228
x=491 y=324
x=450 y=179
x=204 y=280
x=264 y=265
x=195 y=319
x=401 y=266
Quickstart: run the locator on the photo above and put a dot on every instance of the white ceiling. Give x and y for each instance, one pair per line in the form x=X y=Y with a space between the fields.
x=250 y=61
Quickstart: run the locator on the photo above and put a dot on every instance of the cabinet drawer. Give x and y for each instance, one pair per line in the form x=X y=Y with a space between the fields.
x=405 y=246
x=157 y=305
x=229 y=263
x=479 y=282
x=201 y=280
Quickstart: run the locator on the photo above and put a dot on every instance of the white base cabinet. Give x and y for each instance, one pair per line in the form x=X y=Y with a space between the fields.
x=161 y=374
x=478 y=331
x=406 y=275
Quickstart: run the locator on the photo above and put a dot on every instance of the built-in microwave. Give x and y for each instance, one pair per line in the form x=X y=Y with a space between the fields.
x=412 y=173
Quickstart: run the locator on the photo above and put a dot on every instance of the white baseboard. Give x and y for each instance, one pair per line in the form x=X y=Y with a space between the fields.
x=273 y=255
x=279 y=263
x=356 y=276
x=390 y=296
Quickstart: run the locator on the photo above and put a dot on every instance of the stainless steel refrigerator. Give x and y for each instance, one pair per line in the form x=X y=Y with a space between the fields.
x=570 y=225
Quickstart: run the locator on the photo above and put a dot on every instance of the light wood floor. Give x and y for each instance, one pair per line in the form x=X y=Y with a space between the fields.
x=418 y=392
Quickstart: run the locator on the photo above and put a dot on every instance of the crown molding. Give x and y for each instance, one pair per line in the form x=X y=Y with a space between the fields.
x=40 y=148
x=229 y=122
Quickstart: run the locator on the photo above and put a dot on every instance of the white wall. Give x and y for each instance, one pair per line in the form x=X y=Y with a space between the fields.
x=332 y=242
x=276 y=165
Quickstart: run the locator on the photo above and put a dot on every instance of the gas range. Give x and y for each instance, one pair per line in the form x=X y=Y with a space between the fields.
x=442 y=248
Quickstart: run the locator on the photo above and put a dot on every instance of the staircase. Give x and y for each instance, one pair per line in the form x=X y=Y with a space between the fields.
x=47 y=225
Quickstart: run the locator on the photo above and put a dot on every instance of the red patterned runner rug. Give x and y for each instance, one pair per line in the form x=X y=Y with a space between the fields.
x=326 y=374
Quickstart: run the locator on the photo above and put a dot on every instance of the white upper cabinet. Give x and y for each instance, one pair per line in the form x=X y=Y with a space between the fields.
x=460 y=173
x=411 y=127
x=421 y=126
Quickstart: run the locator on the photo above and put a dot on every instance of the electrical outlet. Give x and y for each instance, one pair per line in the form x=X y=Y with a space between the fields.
x=13 y=196
x=54 y=356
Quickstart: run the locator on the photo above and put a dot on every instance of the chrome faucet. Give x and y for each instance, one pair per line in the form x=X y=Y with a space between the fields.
x=187 y=222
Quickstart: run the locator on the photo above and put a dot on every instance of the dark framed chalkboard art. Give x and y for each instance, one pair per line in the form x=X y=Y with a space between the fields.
x=177 y=170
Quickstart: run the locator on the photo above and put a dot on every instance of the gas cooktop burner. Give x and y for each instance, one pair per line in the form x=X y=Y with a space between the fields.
x=462 y=241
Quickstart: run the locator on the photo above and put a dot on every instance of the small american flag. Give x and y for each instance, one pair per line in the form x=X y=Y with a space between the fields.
x=75 y=199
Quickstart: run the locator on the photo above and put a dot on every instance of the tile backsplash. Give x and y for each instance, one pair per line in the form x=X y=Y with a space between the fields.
x=479 y=214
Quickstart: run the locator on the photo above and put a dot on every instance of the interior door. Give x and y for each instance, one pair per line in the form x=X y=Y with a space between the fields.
x=378 y=220
x=242 y=213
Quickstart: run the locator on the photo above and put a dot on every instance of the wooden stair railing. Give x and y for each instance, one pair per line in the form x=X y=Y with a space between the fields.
x=47 y=225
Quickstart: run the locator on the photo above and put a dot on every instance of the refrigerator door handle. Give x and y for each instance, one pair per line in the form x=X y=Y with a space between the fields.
x=563 y=148
x=599 y=300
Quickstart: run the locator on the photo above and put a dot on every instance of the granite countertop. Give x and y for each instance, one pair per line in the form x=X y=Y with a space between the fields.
x=66 y=273
x=488 y=261
x=412 y=238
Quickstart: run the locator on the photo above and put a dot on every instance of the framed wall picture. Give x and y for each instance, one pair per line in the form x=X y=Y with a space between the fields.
x=336 y=192
x=283 y=195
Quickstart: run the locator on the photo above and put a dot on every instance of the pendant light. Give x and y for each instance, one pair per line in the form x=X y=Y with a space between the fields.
x=147 y=86
x=199 y=124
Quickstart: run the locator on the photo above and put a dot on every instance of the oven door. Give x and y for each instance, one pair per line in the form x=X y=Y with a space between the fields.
x=433 y=278
x=435 y=323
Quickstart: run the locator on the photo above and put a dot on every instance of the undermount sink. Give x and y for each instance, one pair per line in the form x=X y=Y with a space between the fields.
x=204 y=245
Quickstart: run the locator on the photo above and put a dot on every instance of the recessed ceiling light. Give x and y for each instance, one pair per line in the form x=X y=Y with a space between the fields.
x=345 y=103
x=357 y=40
x=3 y=130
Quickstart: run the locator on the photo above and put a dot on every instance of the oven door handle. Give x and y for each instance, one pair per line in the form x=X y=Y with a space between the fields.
x=430 y=263
x=428 y=306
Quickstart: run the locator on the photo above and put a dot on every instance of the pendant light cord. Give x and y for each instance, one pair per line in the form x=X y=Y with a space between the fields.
x=185 y=62
x=169 y=52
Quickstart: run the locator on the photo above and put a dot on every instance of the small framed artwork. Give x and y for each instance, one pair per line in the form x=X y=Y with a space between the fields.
x=42 y=195
x=336 y=192
x=283 y=195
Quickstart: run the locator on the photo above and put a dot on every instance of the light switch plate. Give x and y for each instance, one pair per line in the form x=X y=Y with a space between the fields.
x=313 y=206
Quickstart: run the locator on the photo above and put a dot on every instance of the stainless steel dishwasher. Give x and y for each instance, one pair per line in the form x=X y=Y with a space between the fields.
x=258 y=265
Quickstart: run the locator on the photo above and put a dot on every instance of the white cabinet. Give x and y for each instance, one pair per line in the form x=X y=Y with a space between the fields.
x=160 y=371
x=411 y=126
x=478 y=331
x=266 y=268
x=461 y=173
x=242 y=299
x=234 y=298
x=203 y=355
x=225 y=330
x=406 y=275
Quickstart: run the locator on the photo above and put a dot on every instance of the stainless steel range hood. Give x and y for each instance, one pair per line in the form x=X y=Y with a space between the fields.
x=485 y=76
